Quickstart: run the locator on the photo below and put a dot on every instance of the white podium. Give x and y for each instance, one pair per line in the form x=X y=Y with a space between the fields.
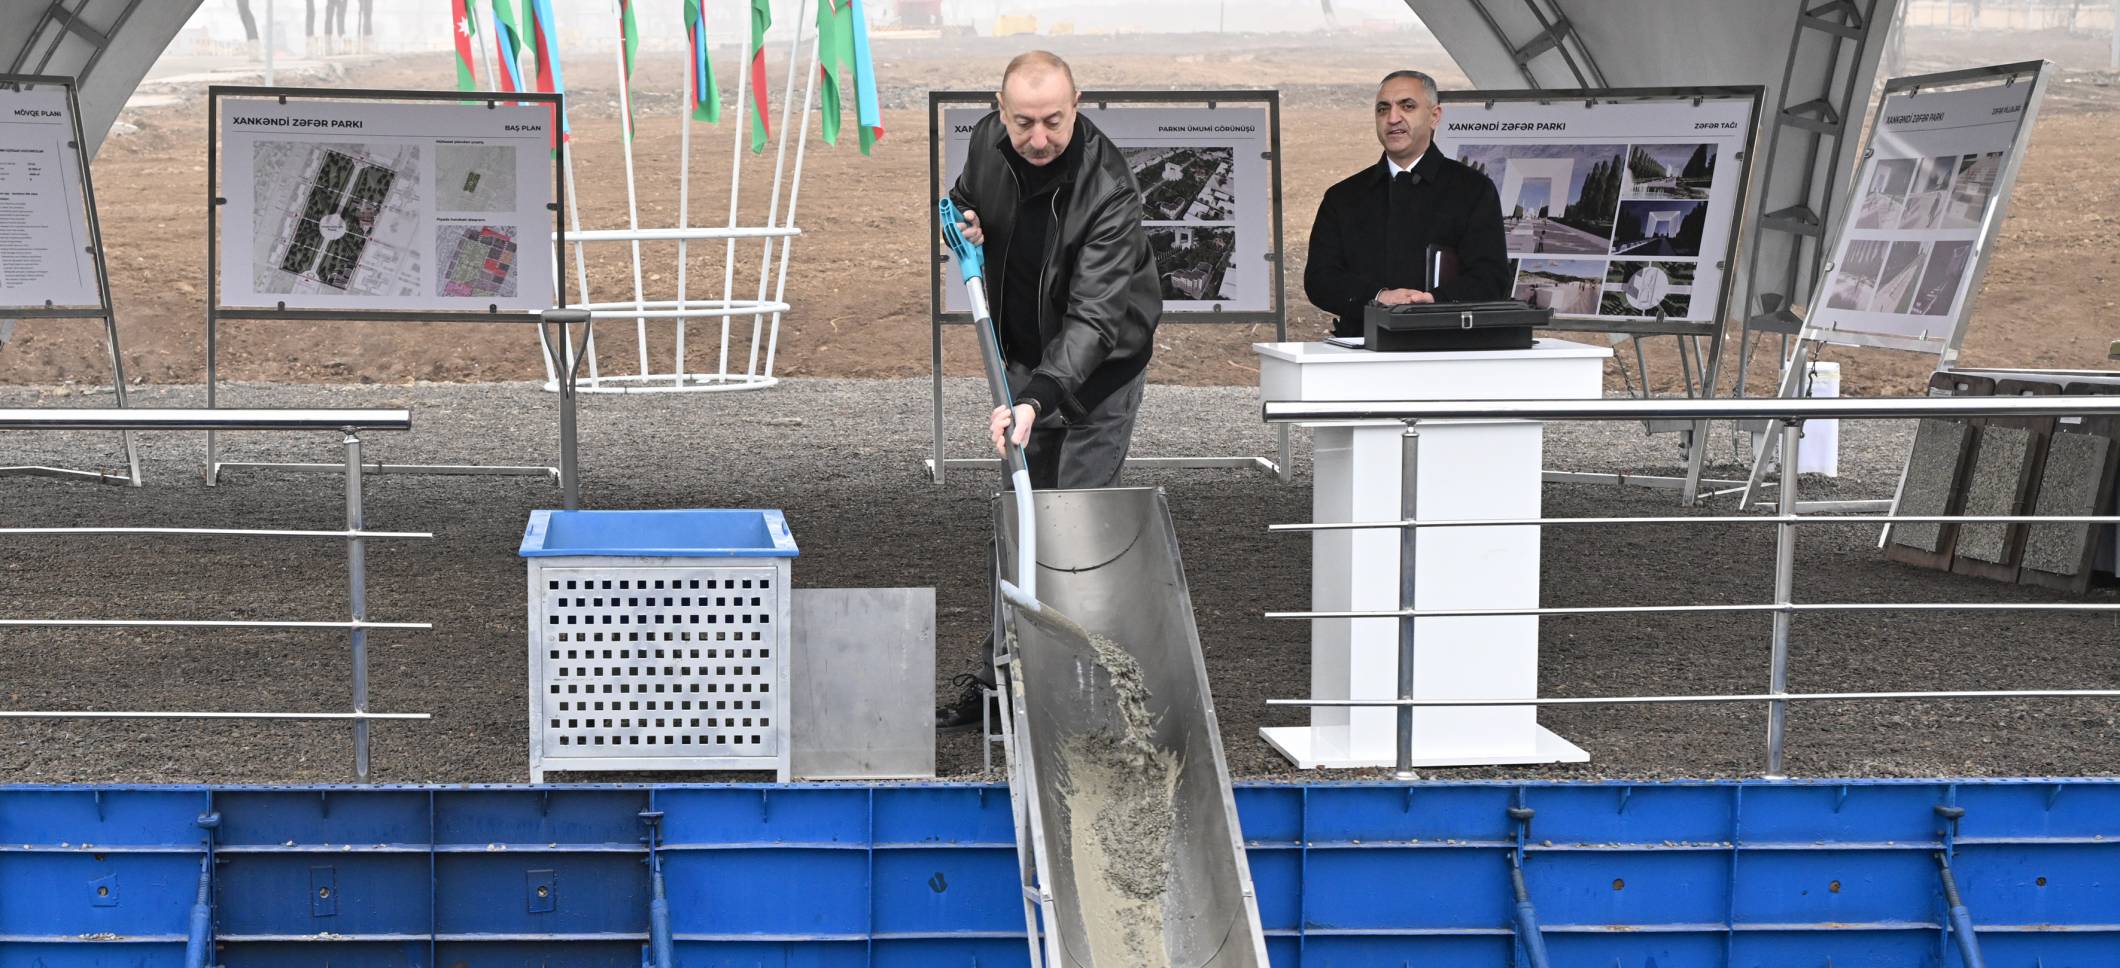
x=1467 y=470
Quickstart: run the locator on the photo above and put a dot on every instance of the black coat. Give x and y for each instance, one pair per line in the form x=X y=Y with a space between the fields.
x=1102 y=297
x=1452 y=206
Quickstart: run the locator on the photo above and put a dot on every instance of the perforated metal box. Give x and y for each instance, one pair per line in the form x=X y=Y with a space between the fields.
x=658 y=640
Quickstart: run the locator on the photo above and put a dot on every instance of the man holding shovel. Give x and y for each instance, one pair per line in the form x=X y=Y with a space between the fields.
x=1073 y=284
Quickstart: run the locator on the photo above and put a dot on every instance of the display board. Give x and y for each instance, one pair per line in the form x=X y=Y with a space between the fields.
x=1923 y=210
x=381 y=206
x=1207 y=179
x=47 y=254
x=1620 y=208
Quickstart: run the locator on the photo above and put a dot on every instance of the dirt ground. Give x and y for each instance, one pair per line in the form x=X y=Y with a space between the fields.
x=858 y=287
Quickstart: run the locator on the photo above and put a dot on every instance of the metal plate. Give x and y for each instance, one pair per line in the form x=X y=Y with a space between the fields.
x=863 y=684
x=675 y=662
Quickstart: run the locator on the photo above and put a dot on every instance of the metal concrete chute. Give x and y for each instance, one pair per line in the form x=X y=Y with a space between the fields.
x=1122 y=793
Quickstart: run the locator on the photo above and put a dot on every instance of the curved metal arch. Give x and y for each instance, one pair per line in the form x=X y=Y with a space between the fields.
x=105 y=45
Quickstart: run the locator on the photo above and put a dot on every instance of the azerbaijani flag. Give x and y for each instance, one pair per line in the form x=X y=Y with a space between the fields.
x=466 y=29
x=508 y=43
x=629 y=46
x=761 y=18
x=868 y=110
x=544 y=43
x=835 y=50
x=843 y=62
x=706 y=98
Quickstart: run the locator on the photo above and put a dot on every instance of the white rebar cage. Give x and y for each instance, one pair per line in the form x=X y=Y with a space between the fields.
x=765 y=306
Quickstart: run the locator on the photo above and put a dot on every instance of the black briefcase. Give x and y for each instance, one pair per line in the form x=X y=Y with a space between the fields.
x=1501 y=324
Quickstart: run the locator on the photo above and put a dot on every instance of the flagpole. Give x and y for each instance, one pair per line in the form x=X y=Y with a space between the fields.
x=486 y=58
x=802 y=142
x=684 y=189
x=625 y=129
x=490 y=59
x=728 y=258
x=548 y=31
x=780 y=160
x=581 y=266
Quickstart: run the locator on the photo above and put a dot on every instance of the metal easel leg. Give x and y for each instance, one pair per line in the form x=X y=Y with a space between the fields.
x=568 y=360
x=1763 y=448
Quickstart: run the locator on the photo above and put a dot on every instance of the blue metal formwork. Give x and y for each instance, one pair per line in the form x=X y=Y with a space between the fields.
x=1748 y=873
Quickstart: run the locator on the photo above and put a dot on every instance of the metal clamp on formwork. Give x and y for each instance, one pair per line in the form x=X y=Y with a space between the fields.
x=1961 y=917
x=659 y=939
x=1523 y=915
x=198 y=938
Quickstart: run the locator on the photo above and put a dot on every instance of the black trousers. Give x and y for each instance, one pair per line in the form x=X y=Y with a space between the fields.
x=1072 y=455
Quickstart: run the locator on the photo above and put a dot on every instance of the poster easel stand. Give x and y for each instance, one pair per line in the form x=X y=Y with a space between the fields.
x=565 y=352
x=104 y=310
x=1699 y=372
x=1949 y=336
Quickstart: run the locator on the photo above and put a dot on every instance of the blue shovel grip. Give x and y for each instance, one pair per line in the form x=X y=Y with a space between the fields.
x=970 y=259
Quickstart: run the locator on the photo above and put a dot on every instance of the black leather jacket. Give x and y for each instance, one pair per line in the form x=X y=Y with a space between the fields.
x=1101 y=295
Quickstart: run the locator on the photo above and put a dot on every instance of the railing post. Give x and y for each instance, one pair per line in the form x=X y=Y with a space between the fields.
x=1409 y=487
x=1784 y=589
x=357 y=593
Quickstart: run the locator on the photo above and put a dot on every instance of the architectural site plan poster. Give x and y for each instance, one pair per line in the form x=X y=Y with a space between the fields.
x=1910 y=241
x=46 y=253
x=368 y=206
x=1613 y=210
x=1208 y=190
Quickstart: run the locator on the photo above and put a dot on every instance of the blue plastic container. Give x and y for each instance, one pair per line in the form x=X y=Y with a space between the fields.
x=689 y=533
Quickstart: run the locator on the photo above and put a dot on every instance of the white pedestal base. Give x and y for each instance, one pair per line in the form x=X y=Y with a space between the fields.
x=1295 y=743
x=1469 y=470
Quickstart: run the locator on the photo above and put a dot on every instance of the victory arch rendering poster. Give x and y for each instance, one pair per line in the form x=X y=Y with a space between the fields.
x=385 y=206
x=1908 y=246
x=46 y=253
x=1208 y=190
x=1613 y=210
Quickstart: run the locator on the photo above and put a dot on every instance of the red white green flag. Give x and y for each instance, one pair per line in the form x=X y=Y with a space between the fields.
x=508 y=44
x=868 y=109
x=835 y=40
x=465 y=27
x=761 y=19
x=706 y=97
x=844 y=62
x=543 y=37
x=629 y=48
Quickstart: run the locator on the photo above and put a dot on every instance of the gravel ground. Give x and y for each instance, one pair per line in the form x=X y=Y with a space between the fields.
x=842 y=458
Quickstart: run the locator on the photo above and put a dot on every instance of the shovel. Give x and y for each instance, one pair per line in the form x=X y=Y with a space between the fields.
x=1023 y=594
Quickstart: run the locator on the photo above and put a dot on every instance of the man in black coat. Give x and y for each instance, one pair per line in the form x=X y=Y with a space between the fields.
x=1374 y=228
x=1073 y=287
x=1054 y=205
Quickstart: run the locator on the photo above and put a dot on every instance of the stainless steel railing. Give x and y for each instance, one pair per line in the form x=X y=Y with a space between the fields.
x=1791 y=413
x=355 y=534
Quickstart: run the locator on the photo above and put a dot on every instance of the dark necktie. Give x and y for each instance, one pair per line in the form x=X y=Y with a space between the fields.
x=1402 y=260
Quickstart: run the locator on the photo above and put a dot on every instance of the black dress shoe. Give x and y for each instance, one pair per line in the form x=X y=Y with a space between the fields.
x=964 y=712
